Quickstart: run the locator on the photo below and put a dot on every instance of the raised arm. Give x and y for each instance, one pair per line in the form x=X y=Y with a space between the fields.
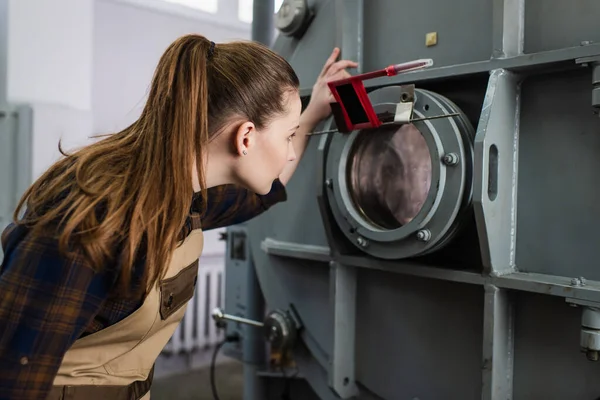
x=318 y=108
x=46 y=302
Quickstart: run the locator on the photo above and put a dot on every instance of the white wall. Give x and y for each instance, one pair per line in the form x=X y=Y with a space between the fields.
x=49 y=66
x=50 y=53
x=129 y=38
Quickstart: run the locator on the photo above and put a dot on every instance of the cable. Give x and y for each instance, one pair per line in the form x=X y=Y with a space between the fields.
x=213 y=385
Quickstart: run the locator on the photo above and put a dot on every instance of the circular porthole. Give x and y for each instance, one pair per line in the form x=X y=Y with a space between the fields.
x=389 y=175
x=399 y=190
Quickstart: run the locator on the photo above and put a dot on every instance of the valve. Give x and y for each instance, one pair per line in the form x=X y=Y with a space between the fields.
x=590 y=333
x=280 y=327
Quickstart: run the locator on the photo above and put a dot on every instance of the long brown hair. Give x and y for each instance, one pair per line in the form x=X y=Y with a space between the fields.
x=128 y=195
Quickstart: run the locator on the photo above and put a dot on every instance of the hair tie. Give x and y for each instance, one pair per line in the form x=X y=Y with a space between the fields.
x=211 y=49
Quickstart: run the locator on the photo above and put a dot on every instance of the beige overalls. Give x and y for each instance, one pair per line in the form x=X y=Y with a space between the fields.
x=116 y=363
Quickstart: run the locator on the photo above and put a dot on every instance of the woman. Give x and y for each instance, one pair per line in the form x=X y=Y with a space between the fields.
x=97 y=273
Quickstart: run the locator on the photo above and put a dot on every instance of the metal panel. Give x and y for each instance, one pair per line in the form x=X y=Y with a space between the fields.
x=548 y=364
x=417 y=338
x=318 y=41
x=555 y=24
x=7 y=164
x=237 y=262
x=558 y=202
x=15 y=158
x=395 y=31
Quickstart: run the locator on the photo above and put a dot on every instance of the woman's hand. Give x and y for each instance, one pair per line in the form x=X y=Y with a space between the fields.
x=318 y=108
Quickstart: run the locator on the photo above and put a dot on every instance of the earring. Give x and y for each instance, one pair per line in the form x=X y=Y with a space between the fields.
x=244 y=152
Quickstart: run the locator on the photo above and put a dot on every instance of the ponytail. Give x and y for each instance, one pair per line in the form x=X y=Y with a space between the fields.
x=128 y=195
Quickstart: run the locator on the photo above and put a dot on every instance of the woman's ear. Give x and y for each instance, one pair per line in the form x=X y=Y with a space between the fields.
x=245 y=138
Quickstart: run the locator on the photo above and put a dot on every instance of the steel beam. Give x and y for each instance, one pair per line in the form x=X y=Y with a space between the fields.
x=263 y=21
x=567 y=287
x=508 y=28
x=495 y=172
x=349 y=29
x=498 y=344
x=343 y=308
x=524 y=63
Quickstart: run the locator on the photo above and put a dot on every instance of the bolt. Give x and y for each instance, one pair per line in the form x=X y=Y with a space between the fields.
x=424 y=235
x=450 y=159
x=362 y=242
x=329 y=183
x=578 y=281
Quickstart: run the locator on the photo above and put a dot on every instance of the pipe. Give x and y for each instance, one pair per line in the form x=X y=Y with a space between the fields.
x=253 y=338
x=263 y=21
x=254 y=350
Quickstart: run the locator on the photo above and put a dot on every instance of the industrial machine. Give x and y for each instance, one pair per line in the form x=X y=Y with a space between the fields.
x=449 y=255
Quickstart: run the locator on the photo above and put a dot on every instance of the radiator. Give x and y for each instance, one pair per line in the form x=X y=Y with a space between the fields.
x=197 y=330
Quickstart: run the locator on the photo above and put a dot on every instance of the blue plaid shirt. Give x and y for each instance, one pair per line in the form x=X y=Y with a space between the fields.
x=48 y=301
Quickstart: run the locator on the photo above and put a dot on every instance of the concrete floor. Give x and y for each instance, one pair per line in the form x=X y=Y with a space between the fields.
x=195 y=385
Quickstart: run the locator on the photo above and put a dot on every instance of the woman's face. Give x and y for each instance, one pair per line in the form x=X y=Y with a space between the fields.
x=269 y=150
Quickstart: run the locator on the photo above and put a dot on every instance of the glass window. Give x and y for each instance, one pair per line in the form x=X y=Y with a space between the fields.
x=389 y=175
x=209 y=6
x=245 y=9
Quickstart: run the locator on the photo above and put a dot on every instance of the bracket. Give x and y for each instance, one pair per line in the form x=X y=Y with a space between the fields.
x=402 y=115
x=594 y=63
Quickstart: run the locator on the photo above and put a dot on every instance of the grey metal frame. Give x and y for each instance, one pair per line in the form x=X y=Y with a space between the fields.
x=500 y=276
x=445 y=201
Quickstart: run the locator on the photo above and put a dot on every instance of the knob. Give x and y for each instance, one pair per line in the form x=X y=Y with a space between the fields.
x=280 y=330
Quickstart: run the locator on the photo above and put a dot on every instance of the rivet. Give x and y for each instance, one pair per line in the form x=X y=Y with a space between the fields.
x=362 y=242
x=424 y=235
x=450 y=159
x=24 y=361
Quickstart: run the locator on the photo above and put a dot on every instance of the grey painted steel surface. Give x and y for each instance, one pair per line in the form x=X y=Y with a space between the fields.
x=253 y=345
x=506 y=307
x=16 y=136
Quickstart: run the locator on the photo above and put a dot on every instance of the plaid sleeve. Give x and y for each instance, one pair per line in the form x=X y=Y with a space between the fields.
x=230 y=205
x=46 y=302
